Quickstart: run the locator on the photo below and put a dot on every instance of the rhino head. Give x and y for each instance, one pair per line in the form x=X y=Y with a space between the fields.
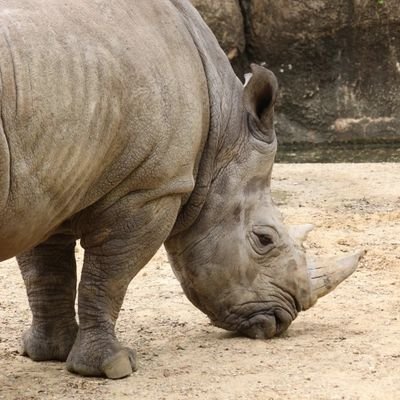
x=237 y=262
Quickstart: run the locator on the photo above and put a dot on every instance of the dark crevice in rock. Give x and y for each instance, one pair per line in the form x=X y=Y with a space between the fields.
x=245 y=7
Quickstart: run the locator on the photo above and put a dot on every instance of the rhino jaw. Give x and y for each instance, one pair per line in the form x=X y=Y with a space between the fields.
x=330 y=273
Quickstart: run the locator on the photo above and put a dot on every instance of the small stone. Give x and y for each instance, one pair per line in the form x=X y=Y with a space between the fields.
x=166 y=373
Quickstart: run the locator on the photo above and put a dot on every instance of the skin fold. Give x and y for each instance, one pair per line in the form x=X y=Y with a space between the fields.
x=123 y=125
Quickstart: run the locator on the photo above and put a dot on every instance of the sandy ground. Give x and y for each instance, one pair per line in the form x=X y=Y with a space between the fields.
x=346 y=347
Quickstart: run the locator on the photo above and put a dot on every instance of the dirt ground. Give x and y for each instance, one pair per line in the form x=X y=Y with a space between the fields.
x=346 y=347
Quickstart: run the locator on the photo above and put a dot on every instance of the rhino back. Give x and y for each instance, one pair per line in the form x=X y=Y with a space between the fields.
x=98 y=99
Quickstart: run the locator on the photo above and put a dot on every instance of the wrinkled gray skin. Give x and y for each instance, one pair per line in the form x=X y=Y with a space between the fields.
x=123 y=125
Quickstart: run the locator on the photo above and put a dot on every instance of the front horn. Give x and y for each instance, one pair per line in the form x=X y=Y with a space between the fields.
x=330 y=273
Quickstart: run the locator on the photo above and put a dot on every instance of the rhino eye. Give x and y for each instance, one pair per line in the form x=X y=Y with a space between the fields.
x=262 y=242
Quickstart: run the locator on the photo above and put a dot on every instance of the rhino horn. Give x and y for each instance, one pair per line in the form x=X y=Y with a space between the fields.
x=330 y=273
x=300 y=232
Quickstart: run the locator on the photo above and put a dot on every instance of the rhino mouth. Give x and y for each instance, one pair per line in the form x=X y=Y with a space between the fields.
x=262 y=323
x=266 y=325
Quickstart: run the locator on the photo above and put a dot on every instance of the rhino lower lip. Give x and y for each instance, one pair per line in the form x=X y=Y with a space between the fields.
x=261 y=326
x=283 y=321
x=267 y=325
x=261 y=323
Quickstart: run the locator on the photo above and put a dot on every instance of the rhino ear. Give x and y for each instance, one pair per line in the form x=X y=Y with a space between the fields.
x=259 y=95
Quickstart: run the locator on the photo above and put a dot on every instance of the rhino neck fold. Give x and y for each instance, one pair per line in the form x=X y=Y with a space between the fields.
x=224 y=89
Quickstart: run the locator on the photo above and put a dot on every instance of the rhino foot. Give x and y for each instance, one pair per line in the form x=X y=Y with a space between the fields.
x=90 y=357
x=43 y=344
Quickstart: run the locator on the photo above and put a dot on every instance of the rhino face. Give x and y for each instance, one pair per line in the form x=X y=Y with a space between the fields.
x=238 y=263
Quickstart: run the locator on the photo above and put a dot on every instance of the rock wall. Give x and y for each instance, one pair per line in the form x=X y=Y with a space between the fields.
x=338 y=63
x=225 y=19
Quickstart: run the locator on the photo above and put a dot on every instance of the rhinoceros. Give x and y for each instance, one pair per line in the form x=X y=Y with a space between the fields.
x=124 y=126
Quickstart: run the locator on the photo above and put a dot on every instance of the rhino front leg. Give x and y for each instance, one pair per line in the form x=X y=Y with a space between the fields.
x=117 y=245
x=49 y=273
